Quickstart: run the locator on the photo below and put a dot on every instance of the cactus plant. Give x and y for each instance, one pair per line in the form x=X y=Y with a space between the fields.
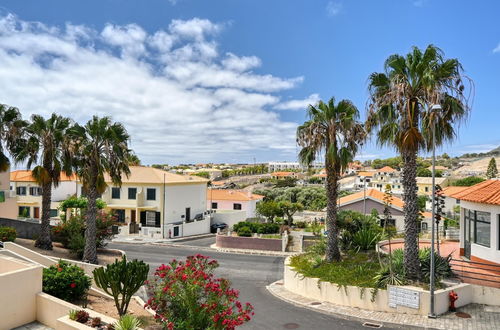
x=121 y=280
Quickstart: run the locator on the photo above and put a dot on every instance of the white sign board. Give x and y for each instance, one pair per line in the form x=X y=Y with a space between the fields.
x=403 y=297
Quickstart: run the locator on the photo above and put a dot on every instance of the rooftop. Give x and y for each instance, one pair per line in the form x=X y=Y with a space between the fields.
x=144 y=174
x=451 y=190
x=282 y=173
x=386 y=169
x=428 y=180
x=365 y=173
x=231 y=195
x=486 y=192
x=25 y=176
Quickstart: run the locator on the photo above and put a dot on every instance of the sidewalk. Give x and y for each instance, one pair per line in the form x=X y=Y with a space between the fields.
x=136 y=239
x=482 y=317
x=255 y=252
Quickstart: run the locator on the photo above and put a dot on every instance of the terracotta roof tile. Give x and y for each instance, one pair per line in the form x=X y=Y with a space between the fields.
x=145 y=174
x=386 y=169
x=451 y=190
x=366 y=173
x=231 y=195
x=25 y=176
x=283 y=174
x=486 y=192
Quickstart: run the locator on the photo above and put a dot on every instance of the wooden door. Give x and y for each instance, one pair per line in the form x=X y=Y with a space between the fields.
x=132 y=216
x=36 y=212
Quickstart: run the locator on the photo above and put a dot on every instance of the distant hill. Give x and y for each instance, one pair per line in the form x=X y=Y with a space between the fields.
x=494 y=152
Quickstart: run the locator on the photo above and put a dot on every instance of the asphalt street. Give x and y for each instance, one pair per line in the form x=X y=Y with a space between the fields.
x=250 y=274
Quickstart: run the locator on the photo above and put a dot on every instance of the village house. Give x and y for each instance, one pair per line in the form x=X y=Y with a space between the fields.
x=29 y=193
x=366 y=201
x=480 y=222
x=424 y=184
x=226 y=199
x=158 y=204
x=384 y=176
x=363 y=179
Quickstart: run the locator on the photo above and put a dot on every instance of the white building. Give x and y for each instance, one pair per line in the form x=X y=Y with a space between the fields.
x=480 y=222
x=160 y=203
x=282 y=166
x=8 y=203
x=29 y=193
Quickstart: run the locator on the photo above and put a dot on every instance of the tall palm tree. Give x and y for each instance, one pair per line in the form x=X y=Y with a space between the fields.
x=401 y=110
x=335 y=131
x=11 y=129
x=45 y=144
x=99 y=147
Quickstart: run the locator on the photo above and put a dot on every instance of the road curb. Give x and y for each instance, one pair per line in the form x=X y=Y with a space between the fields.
x=252 y=252
x=271 y=288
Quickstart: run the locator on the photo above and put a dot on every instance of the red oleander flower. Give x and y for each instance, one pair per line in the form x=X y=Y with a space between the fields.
x=72 y=285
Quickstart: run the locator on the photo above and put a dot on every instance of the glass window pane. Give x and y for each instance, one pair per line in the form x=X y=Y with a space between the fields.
x=483 y=230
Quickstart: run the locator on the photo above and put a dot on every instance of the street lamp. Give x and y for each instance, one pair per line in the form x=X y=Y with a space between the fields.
x=435 y=107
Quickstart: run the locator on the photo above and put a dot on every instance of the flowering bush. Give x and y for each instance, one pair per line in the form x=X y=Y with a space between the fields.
x=7 y=234
x=71 y=232
x=186 y=295
x=65 y=281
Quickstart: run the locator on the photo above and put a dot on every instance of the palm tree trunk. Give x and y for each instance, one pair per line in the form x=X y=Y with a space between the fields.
x=90 y=251
x=411 y=211
x=332 y=250
x=44 y=241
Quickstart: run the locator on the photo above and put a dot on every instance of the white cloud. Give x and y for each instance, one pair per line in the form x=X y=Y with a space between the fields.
x=497 y=49
x=179 y=99
x=333 y=8
x=298 y=104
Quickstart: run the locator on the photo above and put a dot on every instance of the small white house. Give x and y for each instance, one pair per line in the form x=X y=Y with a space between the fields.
x=480 y=222
x=228 y=199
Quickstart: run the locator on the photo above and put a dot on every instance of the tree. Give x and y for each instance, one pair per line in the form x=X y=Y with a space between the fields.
x=11 y=130
x=46 y=144
x=100 y=147
x=269 y=210
x=134 y=160
x=468 y=181
x=400 y=110
x=492 y=171
x=289 y=209
x=332 y=129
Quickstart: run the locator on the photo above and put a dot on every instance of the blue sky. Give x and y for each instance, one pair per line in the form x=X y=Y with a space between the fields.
x=227 y=81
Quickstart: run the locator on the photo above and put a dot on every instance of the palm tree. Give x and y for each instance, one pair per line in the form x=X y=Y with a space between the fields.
x=11 y=128
x=334 y=130
x=401 y=110
x=45 y=144
x=99 y=147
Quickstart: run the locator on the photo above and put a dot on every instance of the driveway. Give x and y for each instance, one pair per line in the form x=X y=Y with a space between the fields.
x=250 y=274
x=202 y=241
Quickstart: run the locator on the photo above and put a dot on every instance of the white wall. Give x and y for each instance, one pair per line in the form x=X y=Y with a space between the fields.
x=229 y=217
x=491 y=253
x=196 y=227
x=248 y=206
x=179 y=197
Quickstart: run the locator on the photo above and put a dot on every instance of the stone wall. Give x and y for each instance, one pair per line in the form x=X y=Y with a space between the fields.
x=24 y=228
x=252 y=243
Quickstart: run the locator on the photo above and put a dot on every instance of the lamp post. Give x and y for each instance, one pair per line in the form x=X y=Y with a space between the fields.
x=435 y=107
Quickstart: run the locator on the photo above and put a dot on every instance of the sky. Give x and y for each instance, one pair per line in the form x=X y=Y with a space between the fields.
x=229 y=80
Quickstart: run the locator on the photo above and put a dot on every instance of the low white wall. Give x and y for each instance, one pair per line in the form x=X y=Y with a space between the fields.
x=229 y=217
x=196 y=227
x=485 y=295
x=18 y=289
x=362 y=298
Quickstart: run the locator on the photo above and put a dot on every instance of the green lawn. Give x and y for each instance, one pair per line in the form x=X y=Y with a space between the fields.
x=357 y=269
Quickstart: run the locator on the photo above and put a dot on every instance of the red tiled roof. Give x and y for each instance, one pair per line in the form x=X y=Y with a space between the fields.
x=231 y=195
x=451 y=190
x=25 y=176
x=486 y=192
x=283 y=174
x=386 y=169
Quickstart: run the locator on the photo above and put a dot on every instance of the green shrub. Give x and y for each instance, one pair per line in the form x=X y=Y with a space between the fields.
x=7 y=234
x=300 y=224
x=268 y=228
x=245 y=232
x=442 y=265
x=127 y=322
x=65 y=281
x=365 y=239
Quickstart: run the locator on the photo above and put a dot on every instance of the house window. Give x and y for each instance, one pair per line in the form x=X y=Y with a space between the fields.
x=214 y=205
x=482 y=228
x=53 y=213
x=24 y=211
x=458 y=201
x=21 y=191
x=426 y=189
x=424 y=226
x=115 y=193
x=236 y=206
x=132 y=193
x=35 y=191
x=151 y=194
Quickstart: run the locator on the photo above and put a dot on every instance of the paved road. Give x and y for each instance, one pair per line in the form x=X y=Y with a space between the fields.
x=250 y=274
x=204 y=241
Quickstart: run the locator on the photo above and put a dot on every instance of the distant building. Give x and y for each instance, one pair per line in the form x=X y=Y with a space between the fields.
x=8 y=202
x=374 y=199
x=450 y=202
x=29 y=193
x=480 y=222
x=283 y=175
x=226 y=199
x=424 y=184
x=283 y=166
x=364 y=179
x=213 y=173
x=387 y=176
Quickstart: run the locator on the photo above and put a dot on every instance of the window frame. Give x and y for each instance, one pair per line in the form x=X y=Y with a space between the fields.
x=130 y=189
x=114 y=190
x=216 y=205
x=235 y=208
x=147 y=194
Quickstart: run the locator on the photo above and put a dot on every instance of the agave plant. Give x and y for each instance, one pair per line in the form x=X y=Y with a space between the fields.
x=127 y=322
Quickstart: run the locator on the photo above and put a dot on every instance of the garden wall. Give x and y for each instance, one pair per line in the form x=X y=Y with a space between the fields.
x=24 y=228
x=252 y=243
x=353 y=296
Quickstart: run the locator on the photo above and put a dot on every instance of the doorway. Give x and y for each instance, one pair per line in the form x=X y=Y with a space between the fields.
x=188 y=214
x=36 y=212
